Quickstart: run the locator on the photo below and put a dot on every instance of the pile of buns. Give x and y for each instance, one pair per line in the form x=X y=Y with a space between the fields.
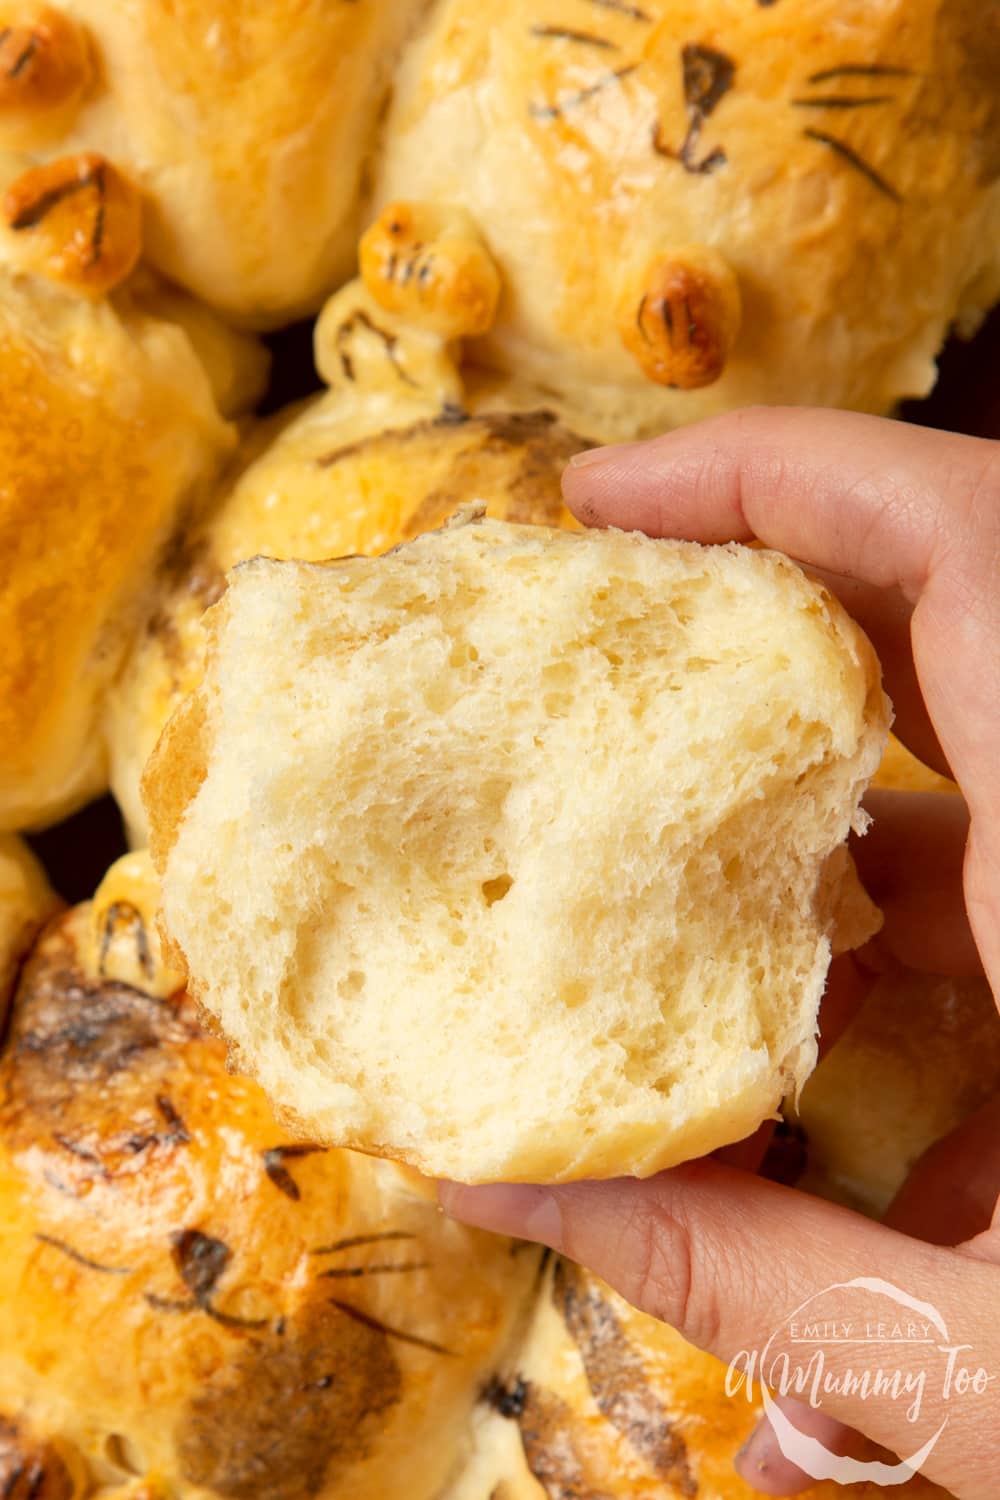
x=519 y=235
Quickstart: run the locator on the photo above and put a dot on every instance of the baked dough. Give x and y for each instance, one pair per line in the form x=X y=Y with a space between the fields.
x=518 y=854
x=193 y=1304
x=699 y=204
x=394 y=447
x=112 y=393
x=244 y=124
x=601 y=1402
x=920 y=1057
x=26 y=900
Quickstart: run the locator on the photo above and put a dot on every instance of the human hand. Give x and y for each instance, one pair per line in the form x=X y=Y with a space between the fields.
x=904 y=525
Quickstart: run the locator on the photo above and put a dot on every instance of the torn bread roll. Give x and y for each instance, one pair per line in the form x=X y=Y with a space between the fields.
x=518 y=853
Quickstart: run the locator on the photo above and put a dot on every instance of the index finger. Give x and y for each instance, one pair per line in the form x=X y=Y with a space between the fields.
x=860 y=496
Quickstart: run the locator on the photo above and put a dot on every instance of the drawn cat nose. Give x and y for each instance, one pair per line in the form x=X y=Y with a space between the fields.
x=680 y=318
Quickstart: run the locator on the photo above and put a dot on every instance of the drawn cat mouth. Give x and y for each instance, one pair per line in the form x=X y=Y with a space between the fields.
x=708 y=75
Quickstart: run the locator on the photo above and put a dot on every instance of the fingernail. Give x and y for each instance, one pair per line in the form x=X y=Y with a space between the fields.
x=529 y=1213
x=595 y=456
x=745 y=1462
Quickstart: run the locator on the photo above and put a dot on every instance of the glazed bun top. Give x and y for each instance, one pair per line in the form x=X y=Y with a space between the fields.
x=249 y=1315
x=694 y=206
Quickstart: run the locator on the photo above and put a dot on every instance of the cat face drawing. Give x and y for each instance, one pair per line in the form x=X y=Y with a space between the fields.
x=697 y=205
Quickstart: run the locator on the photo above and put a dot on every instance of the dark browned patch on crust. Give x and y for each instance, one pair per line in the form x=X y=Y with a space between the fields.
x=85 y=1077
x=87 y=1063
x=526 y=452
x=274 y=1165
x=516 y=458
x=546 y=1426
x=187 y=567
x=30 y=1470
x=290 y=1416
x=617 y=1379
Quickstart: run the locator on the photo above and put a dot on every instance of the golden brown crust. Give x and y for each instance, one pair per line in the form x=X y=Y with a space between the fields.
x=847 y=175
x=172 y=776
x=79 y=219
x=901 y=771
x=26 y=901
x=921 y=1055
x=685 y=321
x=44 y=61
x=128 y=438
x=248 y=124
x=252 y=1315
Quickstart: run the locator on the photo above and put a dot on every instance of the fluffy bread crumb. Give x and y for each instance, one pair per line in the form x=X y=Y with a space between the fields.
x=518 y=854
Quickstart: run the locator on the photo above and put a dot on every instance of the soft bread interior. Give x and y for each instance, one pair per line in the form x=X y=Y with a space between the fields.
x=517 y=853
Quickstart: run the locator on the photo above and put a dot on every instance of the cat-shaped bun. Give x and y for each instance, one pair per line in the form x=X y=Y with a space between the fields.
x=696 y=204
x=246 y=123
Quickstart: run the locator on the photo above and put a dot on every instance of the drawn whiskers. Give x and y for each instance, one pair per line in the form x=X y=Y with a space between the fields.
x=369 y=1268
x=846 y=102
x=375 y=1268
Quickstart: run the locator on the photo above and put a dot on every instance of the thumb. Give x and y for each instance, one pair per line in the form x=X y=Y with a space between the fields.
x=727 y=1258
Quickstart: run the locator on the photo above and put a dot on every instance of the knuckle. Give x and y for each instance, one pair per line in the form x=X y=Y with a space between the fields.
x=673 y=1276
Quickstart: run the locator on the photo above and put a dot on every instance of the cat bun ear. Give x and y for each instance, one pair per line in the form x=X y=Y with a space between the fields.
x=45 y=66
x=76 y=220
x=428 y=264
x=681 y=318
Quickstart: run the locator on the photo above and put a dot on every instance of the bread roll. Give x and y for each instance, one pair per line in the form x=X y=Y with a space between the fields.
x=921 y=1056
x=131 y=437
x=245 y=122
x=519 y=853
x=699 y=204
x=113 y=394
x=193 y=1304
